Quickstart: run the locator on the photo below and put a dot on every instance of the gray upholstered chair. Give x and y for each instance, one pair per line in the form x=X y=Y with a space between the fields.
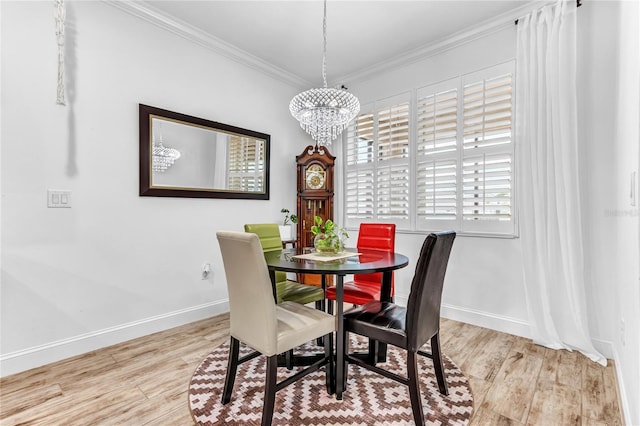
x=411 y=327
x=257 y=321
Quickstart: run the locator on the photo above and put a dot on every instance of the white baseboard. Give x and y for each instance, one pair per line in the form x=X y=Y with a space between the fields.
x=485 y=319
x=37 y=356
x=624 y=398
x=605 y=347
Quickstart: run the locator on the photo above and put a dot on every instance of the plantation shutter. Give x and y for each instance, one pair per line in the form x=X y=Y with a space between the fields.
x=360 y=194
x=487 y=112
x=245 y=164
x=377 y=177
x=360 y=180
x=437 y=119
x=437 y=186
x=392 y=180
x=487 y=155
x=437 y=156
x=393 y=193
x=393 y=132
x=487 y=187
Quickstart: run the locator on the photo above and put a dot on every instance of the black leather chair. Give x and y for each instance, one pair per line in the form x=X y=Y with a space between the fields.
x=411 y=327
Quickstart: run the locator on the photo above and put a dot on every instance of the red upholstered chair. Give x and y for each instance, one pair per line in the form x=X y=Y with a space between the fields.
x=366 y=287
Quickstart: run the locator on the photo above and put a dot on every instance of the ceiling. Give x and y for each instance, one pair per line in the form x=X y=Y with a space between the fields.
x=361 y=35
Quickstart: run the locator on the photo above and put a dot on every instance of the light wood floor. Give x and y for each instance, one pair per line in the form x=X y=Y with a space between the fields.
x=144 y=381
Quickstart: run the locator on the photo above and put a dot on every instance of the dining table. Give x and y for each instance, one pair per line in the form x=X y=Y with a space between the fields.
x=304 y=260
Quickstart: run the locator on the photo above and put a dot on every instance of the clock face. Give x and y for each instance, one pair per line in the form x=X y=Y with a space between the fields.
x=315 y=177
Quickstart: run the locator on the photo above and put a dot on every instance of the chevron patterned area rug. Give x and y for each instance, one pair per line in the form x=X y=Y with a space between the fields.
x=370 y=399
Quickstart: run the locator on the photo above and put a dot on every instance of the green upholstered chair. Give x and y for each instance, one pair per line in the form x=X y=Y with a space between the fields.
x=286 y=290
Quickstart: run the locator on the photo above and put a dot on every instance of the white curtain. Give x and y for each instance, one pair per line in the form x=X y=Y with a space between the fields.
x=547 y=179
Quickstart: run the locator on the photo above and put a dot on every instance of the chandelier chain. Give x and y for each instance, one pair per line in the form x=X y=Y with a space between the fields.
x=324 y=48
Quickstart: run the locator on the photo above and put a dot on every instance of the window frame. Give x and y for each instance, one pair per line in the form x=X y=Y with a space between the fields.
x=417 y=222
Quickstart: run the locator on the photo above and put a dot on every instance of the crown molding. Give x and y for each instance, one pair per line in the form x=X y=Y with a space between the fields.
x=150 y=14
x=483 y=29
x=195 y=35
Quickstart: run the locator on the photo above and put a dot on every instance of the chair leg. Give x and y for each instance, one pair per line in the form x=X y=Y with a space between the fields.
x=232 y=367
x=320 y=307
x=414 y=388
x=288 y=357
x=330 y=372
x=345 y=370
x=437 y=364
x=382 y=352
x=330 y=307
x=270 y=390
x=382 y=347
x=373 y=351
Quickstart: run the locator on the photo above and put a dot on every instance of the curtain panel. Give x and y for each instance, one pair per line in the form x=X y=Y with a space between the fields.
x=548 y=179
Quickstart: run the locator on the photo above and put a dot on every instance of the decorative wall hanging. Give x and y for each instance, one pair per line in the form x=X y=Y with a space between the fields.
x=60 y=17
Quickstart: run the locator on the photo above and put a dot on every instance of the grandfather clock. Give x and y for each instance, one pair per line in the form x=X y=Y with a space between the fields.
x=315 y=190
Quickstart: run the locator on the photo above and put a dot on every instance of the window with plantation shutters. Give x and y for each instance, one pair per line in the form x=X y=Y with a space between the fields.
x=245 y=164
x=437 y=156
x=487 y=154
x=377 y=180
x=443 y=160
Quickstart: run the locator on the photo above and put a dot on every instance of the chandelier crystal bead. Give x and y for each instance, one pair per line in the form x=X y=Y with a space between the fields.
x=324 y=112
x=163 y=157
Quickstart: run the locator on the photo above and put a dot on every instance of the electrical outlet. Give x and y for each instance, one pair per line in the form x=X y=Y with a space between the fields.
x=623 y=339
x=206 y=271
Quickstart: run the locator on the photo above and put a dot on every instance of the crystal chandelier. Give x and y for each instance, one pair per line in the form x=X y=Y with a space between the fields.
x=163 y=157
x=324 y=112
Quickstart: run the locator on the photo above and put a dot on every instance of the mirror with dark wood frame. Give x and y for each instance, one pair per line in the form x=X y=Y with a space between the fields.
x=185 y=156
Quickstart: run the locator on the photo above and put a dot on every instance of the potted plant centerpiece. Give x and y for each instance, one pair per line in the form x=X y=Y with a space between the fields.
x=286 y=229
x=329 y=237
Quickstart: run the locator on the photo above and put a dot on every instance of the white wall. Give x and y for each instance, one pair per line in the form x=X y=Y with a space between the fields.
x=609 y=78
x=115 y=265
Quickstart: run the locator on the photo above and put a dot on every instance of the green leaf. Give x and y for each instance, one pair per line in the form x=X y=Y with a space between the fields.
x=328 y=226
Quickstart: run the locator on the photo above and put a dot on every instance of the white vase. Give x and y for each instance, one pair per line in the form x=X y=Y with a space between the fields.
x=286 y=232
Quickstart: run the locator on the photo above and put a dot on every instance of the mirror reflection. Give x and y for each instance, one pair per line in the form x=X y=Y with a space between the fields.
x=191 y=157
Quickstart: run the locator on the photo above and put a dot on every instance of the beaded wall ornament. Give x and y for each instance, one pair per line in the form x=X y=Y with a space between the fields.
x=59 y=17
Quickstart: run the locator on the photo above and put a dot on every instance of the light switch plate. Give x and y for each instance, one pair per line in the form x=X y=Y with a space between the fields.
x=58 y=198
